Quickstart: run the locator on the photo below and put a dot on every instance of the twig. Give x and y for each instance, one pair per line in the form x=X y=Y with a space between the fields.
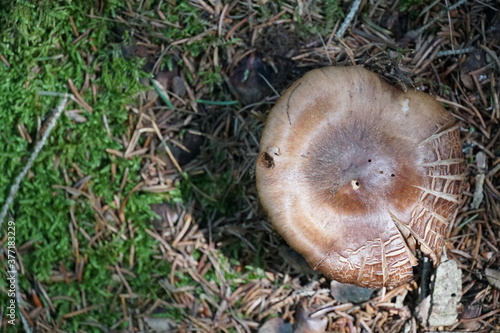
x=19 y=300
x=455 y=52
x=458 y=4
x=15 y=186
x=348 y=19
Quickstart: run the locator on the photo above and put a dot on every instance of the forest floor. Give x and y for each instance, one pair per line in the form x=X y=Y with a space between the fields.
x=141 y=213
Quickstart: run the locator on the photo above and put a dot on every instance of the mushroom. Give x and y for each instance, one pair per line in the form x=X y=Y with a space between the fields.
x=356 y=175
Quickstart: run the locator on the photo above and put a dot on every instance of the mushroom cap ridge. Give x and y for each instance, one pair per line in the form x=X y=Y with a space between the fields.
x=355 y=174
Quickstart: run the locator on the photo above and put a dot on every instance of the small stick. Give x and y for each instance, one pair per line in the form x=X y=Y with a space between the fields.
x=17 y=182
x=348 y=19
x=456 y=52
x=19 y=300
x=15 y=187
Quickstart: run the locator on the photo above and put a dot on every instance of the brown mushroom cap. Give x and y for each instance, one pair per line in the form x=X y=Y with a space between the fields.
x=356 y=174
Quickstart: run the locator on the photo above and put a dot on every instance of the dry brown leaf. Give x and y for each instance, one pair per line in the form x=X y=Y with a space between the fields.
x=493 y=277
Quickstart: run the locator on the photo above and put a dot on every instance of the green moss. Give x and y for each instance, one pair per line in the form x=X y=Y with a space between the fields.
x=331 y=11
x=39 y=45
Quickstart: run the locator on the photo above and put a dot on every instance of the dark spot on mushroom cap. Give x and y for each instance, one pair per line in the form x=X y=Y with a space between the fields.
x=337 y=207
x=266 y=160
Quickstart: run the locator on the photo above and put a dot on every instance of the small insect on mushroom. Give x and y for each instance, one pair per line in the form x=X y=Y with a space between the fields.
x=366 y=174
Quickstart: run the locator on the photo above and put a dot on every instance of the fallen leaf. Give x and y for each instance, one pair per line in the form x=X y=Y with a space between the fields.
x=276 y=325
x=160 y=324
x=305 y=324
x=348 y=293
x=493 y=277
x=441 y=305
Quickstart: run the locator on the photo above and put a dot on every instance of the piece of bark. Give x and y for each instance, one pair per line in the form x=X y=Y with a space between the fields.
x=440 y=308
